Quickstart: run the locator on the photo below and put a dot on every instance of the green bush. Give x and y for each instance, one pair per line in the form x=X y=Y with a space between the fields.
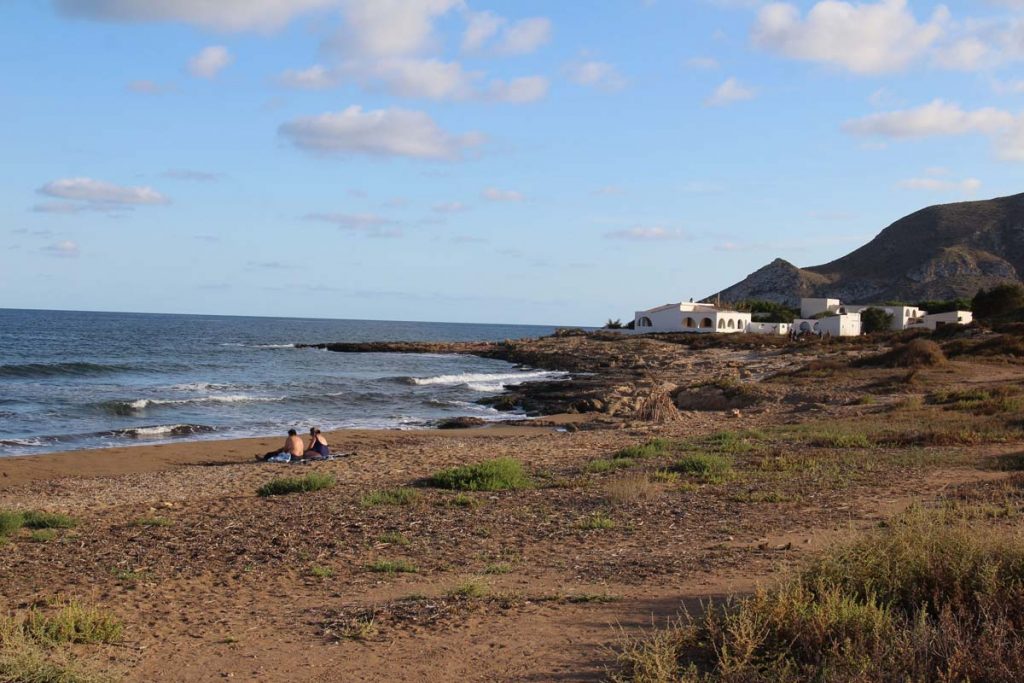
x=502 y=474
x=392 y=567
x=602 y=465
x=314 y=481
x=10 y=522
x=927 y=598
x=707 y=466
x=399 y=496
x=47 y=520
x=875 y=320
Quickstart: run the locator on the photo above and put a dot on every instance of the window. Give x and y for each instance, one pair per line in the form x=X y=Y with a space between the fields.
x=730 y=324
x=721 y=324
x=690 y=322
x=706 y=322
x=644 y=322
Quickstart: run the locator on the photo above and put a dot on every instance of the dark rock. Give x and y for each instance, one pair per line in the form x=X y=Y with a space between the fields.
x=462 y=422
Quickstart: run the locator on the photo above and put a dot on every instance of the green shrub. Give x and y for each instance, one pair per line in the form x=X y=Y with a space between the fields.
x=602 y=465
x=10 y=522
x=596 y=521
x=43 y=535
x=926 y=598
x=399 y=496
x=392 y=567
x=651 y=449
x=314 y=481
x=502 y=474
x=47 y=520
x=707 y=466
x=73 y=622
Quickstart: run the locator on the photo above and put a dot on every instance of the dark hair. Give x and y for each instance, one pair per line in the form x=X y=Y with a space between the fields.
x=314 y=430
x=292 y=432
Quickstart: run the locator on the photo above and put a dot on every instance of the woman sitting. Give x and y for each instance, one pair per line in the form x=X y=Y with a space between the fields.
x=317 y=445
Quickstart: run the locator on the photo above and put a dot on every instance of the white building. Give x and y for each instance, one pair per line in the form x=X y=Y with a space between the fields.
x=933 y=321
x=690 y=317
x=812 y=307
x=903 y=317
x=776 y=329
x=840 y=325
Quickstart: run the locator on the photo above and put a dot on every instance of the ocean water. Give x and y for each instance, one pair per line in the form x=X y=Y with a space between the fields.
x=72 y=380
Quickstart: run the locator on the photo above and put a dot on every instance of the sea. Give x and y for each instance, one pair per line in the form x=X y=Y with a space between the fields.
x=71 y=380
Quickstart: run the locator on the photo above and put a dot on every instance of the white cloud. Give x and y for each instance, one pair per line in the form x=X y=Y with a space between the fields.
x=702 y=63
x=865 y=38
x=99 y=192
x=1011 y=143
x=518 y=90
x=419 y=78
x=65 y=248
x=642 y=234
x=368 y=224
x=316 y=77
x=480 y=28
x=495 y=194
x=595 y=74
x=1014 y=87
x=524 y=36
x=966 y=54
x=222 y=15
x=210 y=61
x=730 y=92
x=936 y=118
x=381 y=132
x=390 y=28
x=965 y=186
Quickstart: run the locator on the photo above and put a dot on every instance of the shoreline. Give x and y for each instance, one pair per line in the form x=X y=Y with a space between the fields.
x=117 y=461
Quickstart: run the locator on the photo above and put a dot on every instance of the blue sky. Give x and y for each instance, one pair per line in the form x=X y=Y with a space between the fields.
x=480 y=161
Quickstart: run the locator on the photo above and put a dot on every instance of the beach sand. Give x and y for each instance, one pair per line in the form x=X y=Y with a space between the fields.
x=214 y=582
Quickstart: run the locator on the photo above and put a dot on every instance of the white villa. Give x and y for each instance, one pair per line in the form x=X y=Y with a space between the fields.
x=690 y=317
x=842 y=320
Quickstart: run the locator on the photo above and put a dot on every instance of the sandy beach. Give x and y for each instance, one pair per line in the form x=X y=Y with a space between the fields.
x=363 y=582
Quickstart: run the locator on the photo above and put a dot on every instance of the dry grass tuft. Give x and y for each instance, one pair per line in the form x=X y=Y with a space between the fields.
x=658 y=408
x=630 y=488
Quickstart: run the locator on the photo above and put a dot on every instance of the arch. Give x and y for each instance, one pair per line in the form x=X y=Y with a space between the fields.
x=805 y=326
x=721 y=324
x=644 y=321
x=706 y=322
x=689 y=322
x=730 y=324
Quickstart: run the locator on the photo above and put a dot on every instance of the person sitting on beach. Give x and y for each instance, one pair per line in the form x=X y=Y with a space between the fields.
x=292 y=448
x=317 y=445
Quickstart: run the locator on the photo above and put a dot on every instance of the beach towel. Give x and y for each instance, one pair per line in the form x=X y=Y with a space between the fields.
x=280 y=457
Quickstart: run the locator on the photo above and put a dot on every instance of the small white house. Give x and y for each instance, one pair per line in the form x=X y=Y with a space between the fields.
x=690 y=317
x=777 y=329
x=934 y=321
x=844 y=325
x=903 y=317
x=812 y=307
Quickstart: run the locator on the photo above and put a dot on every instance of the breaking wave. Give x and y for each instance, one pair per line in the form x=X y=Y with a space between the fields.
x=163 y=430
x=486 y=382
x=132 y=407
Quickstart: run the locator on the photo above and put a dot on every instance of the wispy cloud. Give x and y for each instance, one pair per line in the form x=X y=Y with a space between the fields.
x=647 y=234
x=210 y=61
x=381 y=132
x=730 y=92
x=88 y=194
x=368 y=224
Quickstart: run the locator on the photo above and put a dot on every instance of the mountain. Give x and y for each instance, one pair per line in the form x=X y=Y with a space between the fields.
x=942 y=252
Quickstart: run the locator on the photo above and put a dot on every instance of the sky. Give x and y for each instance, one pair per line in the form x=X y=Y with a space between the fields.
x=542 y=162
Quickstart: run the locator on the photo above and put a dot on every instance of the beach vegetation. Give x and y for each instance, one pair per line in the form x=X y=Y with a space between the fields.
x=469 y=589
x=630 y=488
x=152 y=521
x=597 y=521
x=602 y=465
x=10 y=522
x=926 y=597
x=314 y=481
x=501 y=474
x=321 y=572
x=393 y=538
x=498 y=568
x=42 y=535
x=70 y=621
x=398 y=496
x=709 y=467
x=392 y=567
x=48 y=520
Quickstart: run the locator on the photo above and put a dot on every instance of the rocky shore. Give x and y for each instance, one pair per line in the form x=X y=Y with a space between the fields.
x=615 y=374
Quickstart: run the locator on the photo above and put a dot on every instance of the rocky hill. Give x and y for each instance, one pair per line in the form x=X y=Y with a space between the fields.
x=941 y=252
